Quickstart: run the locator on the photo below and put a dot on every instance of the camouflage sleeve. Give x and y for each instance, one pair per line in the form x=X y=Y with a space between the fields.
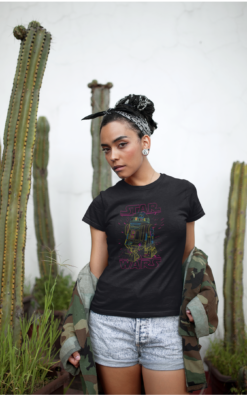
x=76 y=337
x=68 y=339
x=204 y=306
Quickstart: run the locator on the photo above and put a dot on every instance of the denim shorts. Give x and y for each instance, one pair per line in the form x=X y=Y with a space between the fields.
x=154 y=343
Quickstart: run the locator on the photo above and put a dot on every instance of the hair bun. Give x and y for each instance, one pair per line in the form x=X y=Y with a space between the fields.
x=141 y=104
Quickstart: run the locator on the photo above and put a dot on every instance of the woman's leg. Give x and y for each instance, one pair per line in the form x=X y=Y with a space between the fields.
x=125 y=380
x=164 y=381
x=115 y=353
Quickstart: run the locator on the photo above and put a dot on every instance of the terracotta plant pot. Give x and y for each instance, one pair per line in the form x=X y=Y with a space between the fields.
x=220 y=383
x=56 y=386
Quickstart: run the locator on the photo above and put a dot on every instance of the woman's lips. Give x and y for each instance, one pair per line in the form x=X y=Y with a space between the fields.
x=119 y=168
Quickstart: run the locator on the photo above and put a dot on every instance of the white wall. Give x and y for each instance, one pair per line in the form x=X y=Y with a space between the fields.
x=190 y=59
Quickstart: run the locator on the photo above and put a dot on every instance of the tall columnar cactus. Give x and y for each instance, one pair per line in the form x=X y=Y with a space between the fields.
x=233 y=257
x=17 y=159
x=0 y=158
x=42 y=215
x=101 y=169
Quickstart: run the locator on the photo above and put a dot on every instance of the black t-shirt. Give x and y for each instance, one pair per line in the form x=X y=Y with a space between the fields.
x=146 y=235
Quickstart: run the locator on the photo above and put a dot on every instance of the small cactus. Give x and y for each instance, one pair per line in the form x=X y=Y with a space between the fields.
x=242 y=378
x=42 y=215
x=101 y=169
x=17 y=159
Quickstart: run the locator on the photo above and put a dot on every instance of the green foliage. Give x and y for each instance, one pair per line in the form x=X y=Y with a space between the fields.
x=228 y=362
x=62 y=292
x=238 y=391
x=22 y=368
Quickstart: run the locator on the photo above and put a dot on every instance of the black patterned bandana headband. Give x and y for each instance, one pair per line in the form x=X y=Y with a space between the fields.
x=140 y=122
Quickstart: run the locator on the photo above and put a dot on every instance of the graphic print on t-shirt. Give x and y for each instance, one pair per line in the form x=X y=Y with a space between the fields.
x=140 y=250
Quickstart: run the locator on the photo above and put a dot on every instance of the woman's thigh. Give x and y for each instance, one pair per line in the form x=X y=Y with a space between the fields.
x=164 y=381
x=126 y=380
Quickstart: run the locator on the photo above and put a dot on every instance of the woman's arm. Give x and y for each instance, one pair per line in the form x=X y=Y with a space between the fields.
x=98 y=263
x=99 y=252
x=189 y=245
x=190 y=239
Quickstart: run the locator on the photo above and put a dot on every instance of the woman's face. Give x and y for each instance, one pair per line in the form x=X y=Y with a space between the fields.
x=123 y=147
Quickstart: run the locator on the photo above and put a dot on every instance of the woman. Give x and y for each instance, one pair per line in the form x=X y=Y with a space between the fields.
x=142 y=230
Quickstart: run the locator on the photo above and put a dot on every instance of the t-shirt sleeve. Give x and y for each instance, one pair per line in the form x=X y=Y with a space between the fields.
x=94 y=215
x=195 y=210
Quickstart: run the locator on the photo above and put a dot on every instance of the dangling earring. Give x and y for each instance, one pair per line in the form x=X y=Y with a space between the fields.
x=145 y=151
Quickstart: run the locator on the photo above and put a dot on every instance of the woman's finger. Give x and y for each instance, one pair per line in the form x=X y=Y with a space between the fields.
x=76 y=355
x=74 y=361
x=189 y=315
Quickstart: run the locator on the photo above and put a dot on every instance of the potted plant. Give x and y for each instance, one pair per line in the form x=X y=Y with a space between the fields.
x=227 y=358
x=227 y=369
x=30 y=369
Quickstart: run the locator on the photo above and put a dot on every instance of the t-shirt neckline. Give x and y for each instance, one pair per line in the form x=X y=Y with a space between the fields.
x=142 y=187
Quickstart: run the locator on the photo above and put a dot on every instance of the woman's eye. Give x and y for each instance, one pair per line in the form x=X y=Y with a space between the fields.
x=121 y=145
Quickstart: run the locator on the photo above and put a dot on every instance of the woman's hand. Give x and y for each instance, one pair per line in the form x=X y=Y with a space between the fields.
x=75 y=359
x=188 y=313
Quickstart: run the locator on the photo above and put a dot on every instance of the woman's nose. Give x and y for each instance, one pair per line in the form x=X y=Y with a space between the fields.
x=114 y=154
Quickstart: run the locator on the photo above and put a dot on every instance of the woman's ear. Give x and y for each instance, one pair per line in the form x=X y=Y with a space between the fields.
x=146 y=142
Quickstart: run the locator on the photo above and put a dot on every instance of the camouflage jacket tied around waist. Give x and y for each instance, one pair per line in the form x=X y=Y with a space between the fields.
x=199 y=296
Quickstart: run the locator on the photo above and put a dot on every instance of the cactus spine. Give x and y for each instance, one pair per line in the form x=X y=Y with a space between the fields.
x=19 y=138
x=102 y=170
x=42 y=215
x=233 y=257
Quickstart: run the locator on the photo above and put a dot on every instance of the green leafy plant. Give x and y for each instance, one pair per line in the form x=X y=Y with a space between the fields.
x=23 y=370
x=238 y=391
x=228 y=362
x=63 y=288
x=222 y=357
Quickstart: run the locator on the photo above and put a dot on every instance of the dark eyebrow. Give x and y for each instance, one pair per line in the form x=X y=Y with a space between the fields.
x=118 y=138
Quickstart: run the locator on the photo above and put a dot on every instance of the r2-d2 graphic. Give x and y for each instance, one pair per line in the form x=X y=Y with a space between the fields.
x=139 y=236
